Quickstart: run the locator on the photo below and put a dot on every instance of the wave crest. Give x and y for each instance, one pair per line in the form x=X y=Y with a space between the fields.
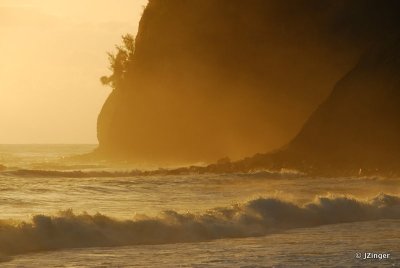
x=254 y=218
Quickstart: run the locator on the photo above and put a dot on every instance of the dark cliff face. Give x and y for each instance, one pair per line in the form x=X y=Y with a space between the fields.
x=356 y=130
x=358 y=126
x=231 y=77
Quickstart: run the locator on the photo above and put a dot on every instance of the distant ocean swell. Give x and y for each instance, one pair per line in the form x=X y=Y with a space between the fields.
x=254 y=218
x=130 y=173
x=69 y=174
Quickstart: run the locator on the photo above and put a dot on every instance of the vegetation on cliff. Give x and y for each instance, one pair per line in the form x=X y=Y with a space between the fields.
x=119 y=62
x=209 y=79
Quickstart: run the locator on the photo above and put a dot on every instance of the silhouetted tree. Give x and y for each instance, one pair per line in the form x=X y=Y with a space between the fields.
x=119 y=61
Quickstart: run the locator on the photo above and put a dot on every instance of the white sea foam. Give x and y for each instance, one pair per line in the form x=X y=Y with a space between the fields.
x=254 y=218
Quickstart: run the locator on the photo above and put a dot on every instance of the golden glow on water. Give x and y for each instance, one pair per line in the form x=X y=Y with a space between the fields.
x=62 y=197
x=53 y=53
x=266 y=212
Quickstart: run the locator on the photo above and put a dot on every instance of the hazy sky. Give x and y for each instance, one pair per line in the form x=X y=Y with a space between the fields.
x=52 y=54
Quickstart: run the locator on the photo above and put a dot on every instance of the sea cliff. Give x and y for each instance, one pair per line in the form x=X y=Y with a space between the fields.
x=233 y=78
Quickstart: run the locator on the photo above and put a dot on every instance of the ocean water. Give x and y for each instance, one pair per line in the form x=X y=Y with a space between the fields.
x=56 y=212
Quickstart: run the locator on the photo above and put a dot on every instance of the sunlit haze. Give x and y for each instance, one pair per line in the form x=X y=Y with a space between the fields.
x=52 y=55
x=214 y=133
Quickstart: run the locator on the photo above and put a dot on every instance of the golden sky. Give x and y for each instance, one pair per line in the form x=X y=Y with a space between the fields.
x=52 y=54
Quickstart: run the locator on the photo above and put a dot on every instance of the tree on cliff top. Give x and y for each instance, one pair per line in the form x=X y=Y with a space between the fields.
x=119 y=61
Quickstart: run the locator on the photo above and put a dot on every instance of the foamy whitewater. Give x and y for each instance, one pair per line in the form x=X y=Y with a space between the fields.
x=58 y=213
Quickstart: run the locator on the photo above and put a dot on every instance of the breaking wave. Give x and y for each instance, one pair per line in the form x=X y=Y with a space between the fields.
x=254 y=218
